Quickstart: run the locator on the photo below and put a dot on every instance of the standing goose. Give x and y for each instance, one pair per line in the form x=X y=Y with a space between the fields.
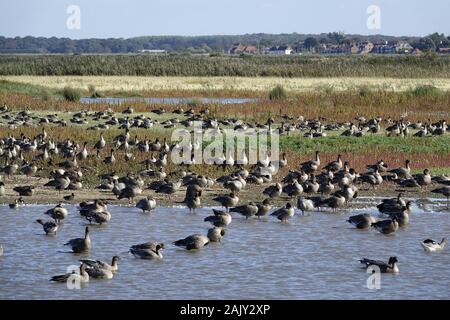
x=362 y=221
x=100 y=144
x=304 y=205
x=263 y=208
x=247 y=210
x=80 y=245
x=111 y=158
x=58 y=213
x=312 y=165
x=227 y=201
x=48 y=226
x=148 y=250
x=273 y=191
x=431 y=245
x=445 y=191
x=146 y=204
x=403 y=173
x=334 y=166
x=283 y=214
x=82 y=277
x=219 y=219
x=390 y=267
x=25 y=191
x=386 y=226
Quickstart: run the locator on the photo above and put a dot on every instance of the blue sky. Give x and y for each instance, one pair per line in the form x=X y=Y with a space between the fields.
x=130 y=18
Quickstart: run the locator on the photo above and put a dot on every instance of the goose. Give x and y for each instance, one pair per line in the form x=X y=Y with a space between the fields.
x=69 y=197
x=293 y=189
x=15 y=204
x=235 y=185
x=392 y=204
x=430 y=245
x=48 y=226
x=311 y=186
x=215 y=234
x=273 y=191
x=362 y=221
x=283 y=214
x=146 y=204
x=97 y=216
x=305 y=204
x=1 y=250
x=336 y=201
x=80 y=245
x=169 y=188
x=58 y=213
x=2 y=189
x=264 y=208
x=219 y=219
x=25 y=191
x=334 y=166
x=81 y=277
x=227 y=201
x=246 y=210
x=423 y=179
x=193 y=242
x=98 y=264
x=192 y=202
x=147 y=251
x=312 y=165
x=403 y=173
x=100 y=144
x=386 y=226
x=111 y=158
x=129 y=192
x=390 y=267
x=445 y=191
x=381 y=166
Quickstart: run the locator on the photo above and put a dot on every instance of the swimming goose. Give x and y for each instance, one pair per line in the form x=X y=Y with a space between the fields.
x=386 y=226
x=48 y=226
x=219 y=219
x=283 y=214
x=362 y=221
x=58 y=213
x=215 y=234
x=390 y=267
x=227 y=201
x=81 y=277
x=247 y=210
x=264 y=208
x=98 y=264
x=431 y=245
x=147 y=251
x=15 y=204
x=146 y=204
x=273 y=191
x=80 y=245
x=1 y=250
x=192 y=242
x=391 y=204
x=305 y=204
x=96 y=216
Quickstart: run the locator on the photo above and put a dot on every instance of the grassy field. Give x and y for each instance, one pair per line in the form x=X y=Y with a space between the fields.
x=127 y=84
x=295 y=66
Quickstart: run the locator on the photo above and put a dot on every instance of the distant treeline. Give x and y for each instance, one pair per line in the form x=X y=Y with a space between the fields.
x=193 y=44
x=425 y=66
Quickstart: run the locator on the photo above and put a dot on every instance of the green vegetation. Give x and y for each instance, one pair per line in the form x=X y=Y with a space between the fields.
x=256 y=66
x=71 y=94
x=369 y=143
x=27 y=89
x=277 y=93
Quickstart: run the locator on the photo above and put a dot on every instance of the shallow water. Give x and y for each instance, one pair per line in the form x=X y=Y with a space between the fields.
x=311 y=257
x=119 y=100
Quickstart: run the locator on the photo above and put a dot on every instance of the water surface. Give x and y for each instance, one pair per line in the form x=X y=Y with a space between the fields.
x=312 y=257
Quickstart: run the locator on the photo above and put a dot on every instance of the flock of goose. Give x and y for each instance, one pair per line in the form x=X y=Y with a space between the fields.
x=313 y=186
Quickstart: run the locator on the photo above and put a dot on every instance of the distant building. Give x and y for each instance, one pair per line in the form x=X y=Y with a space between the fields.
x=280 y=50
x=384 y=48
x=239 y=48
x=155 y=51
x=444 y=50
x=362 y=48
x=403 y=47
